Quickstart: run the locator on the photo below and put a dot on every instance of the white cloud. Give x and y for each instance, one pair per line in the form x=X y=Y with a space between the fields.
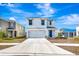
x=70 y=19
x=44 y=6
x=22 y=12
x=45 y=9
x=39 y=13
x=12 y=18
x=16 y=10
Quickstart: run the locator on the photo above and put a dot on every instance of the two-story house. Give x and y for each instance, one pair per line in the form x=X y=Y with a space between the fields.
x=11 y=28
x=40 y=28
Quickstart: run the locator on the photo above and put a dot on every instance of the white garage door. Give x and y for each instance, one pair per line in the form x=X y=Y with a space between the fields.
x=36 y=34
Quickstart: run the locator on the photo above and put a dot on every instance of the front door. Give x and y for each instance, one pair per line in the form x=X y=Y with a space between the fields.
x=50 y=33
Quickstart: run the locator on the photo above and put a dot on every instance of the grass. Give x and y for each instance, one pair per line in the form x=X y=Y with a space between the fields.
x=11 y=40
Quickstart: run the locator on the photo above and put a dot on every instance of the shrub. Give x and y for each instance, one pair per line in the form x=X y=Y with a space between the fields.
x=1 y=34
x=61 y=38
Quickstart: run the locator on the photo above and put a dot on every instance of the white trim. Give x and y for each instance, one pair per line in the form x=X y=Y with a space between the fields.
x=36 y=29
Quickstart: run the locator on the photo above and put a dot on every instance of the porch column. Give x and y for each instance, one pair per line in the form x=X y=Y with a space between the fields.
x=13 y=34
x=27 y=34
x=68 y=34
x=73 y=34
x=46 y=34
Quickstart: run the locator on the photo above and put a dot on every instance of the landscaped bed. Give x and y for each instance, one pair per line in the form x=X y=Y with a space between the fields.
x=69 y=40
x=73 y=49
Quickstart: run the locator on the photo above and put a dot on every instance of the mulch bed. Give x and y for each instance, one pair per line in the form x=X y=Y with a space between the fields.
x=63 y=40
x=5 y=46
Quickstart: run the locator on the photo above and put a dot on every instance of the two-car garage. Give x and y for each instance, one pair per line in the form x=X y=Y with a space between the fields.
x=36 y=33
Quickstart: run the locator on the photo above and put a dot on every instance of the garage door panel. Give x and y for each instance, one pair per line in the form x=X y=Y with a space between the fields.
x=36 y=33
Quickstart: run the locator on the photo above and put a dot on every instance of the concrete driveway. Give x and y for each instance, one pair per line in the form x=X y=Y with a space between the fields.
x=35 y=46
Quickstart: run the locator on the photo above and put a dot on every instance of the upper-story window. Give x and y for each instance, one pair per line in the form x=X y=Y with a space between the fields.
x=12 y=24
x=9 y=24
x=50 y=23
x=30 y=22
x=42 y=22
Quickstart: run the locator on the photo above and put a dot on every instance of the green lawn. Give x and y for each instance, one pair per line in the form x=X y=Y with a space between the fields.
x=12 y=40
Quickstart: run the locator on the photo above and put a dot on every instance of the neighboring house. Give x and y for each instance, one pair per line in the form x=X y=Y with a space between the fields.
x=68 y=32
x=40 y=28
x=3 y=25
x=20 y=30
x=11 y=28
x=77 y=30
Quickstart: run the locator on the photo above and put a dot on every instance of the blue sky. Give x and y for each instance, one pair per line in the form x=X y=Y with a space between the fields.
x=65 y=15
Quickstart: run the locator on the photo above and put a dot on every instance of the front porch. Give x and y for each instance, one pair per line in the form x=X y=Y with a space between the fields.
x=12 y=34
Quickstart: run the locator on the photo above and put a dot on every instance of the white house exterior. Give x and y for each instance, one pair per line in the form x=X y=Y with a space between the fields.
x=77 y=30
x=40 y=28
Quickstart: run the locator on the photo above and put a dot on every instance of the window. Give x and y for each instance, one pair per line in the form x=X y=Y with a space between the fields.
x=9 y=24
x=42 y=22
x=30 y=22
x=50 y=23
x=12 y=24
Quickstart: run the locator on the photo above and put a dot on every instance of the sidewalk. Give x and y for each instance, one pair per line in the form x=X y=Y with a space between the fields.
x=9 y=43
x=65 y=44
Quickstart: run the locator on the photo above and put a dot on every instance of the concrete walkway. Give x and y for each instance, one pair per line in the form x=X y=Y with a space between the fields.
x=66 y=44
x=35 y=46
